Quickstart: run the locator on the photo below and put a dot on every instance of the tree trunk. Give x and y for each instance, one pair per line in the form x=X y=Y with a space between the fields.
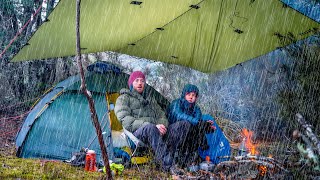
x=36 y=18
x=88 y=95
x=8 y=28
x=50 y=6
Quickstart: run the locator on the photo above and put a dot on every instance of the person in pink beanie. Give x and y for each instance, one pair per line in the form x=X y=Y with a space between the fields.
x=146 y=119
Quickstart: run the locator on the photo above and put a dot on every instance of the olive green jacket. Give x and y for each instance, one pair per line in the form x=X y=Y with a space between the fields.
x=134 y=111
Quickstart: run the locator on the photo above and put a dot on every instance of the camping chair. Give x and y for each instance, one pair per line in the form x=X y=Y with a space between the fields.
x=135 y=145
x=137 y=148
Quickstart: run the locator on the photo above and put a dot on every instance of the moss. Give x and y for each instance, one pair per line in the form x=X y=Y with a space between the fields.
x=12 y=167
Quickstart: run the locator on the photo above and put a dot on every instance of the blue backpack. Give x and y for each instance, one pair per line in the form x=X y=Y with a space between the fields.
x=219 y=146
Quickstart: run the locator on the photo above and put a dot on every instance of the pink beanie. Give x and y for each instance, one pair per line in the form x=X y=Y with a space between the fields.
x=134 y=75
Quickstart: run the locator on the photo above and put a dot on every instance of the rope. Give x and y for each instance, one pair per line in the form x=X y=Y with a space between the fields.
x=15 y=117
x=24 y=26
x=7 y=133
x=11 y=118
x=19 y=103
x=37 y=100
x=101 y=129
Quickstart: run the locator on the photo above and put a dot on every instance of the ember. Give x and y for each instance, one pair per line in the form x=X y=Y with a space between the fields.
x=262 y=170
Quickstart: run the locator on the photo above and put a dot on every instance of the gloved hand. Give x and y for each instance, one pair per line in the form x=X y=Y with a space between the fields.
x=207 y=126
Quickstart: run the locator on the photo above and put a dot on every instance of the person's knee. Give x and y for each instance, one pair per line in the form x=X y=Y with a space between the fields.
x=185 y=125
x=151 y=128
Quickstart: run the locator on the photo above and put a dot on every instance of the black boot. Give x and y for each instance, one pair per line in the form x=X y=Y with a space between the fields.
x=167 y=162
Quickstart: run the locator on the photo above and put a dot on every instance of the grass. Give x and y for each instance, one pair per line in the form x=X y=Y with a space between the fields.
x=12 y=167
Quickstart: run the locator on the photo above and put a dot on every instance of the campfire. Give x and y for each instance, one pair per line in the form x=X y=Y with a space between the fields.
x=249 y=164
x=247 y=147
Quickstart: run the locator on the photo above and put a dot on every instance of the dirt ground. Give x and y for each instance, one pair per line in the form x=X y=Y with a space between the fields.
x=9 y=128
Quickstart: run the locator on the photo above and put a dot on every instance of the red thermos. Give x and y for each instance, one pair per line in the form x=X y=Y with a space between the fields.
x=90 y=161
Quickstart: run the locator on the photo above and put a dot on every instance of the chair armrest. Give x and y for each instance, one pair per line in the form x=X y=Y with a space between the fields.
x=134 y=139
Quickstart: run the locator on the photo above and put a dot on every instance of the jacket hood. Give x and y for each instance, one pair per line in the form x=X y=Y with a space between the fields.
x=189 y=88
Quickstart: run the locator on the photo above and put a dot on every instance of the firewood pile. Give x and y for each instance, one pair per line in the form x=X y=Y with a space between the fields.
x=251 y=167
x=243 y=167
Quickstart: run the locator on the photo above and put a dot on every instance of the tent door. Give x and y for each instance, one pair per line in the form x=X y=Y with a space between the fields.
x=111 y=102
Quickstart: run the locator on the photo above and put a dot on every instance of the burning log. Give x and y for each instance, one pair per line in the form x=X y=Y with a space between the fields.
x=236 y=170
x=261 y=160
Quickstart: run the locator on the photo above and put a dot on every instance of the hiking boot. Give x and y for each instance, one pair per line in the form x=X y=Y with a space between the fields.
x=174 y=170
x=167 y=160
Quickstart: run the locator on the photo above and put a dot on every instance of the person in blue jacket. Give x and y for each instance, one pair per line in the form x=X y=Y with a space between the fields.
x=184 y=109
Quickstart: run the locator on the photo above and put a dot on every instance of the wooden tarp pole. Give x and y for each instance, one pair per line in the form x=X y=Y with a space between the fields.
x=83 y=88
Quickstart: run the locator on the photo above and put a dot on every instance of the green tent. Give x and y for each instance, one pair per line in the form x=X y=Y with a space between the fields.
x=59 y=124
x=207 y=35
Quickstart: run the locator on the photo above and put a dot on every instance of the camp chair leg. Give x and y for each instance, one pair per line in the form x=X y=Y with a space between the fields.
x=136 y=164
x=132 y=153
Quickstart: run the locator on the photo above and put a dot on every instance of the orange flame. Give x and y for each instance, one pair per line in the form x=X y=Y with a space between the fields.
x=250 y=147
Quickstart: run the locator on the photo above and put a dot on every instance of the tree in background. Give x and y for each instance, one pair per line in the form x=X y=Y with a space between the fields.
x=14 y=15
x=301 y=92
x=22 y=82
x=8 y=23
